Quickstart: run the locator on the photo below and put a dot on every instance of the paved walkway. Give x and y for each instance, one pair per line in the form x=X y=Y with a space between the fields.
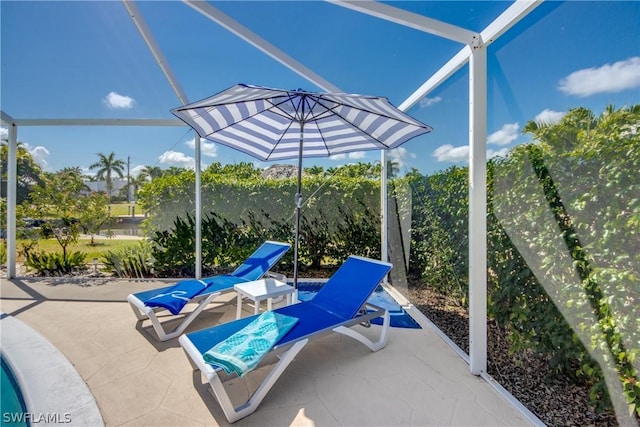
x=417 y=380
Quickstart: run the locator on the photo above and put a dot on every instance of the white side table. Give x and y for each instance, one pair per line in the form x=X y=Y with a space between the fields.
x=259 y=290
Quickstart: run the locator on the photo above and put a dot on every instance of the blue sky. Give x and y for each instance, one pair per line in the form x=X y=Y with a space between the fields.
x=87 y=60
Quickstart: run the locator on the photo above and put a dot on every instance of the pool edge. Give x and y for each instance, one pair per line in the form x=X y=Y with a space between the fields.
x=52 y=389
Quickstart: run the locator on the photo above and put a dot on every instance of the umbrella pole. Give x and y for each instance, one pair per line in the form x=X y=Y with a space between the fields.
x=298 y=209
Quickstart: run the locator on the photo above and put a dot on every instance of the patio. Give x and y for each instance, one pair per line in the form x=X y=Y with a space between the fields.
x=416 y=380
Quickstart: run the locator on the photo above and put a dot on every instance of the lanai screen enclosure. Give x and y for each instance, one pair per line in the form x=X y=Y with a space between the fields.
x=448 y=49
x=473 y=52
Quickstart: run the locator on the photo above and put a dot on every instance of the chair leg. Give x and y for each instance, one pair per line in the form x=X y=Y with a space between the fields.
x=362 y=312
x=232 y=413
x=143 y=312
x=137 y=306
x=373 y=346
x=250 y=406
x=190 y=317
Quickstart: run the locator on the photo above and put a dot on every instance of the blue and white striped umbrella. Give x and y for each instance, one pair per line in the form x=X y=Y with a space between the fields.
x=273 y=124
x=277 y=124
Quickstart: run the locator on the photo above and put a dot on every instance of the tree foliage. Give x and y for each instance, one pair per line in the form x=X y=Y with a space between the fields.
x=64 y=209
x=58 y=200
x=93 y=214
x=569 y=204
x=29 y=173
x=439 y=236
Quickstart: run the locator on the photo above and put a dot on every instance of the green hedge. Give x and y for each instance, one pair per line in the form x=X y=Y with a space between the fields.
x=237 y=196
x=569 y=205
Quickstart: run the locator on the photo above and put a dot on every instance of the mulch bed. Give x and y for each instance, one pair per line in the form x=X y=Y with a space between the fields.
x=523 y=374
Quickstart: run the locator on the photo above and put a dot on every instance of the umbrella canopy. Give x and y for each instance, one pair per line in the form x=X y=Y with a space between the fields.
x=276 y=124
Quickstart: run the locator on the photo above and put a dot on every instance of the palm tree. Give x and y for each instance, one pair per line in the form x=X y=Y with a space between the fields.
x=315 y=170
x=173 y=171
x=331 y=170
x=107 y=166
x=75 y=172
x=137 y=182
x=150 y=172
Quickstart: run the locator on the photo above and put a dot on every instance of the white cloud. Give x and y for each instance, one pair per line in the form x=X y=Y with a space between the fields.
x=449 y=153
x=400 y=156
x=428 y=102
x=549 y=117
x=260 y=165
x=497 y=153
x=40 y=155
x=207 y=148
x=135 y=171
x=173 y=157
x=356 y=155
x=506 y=135
x=115 y=100
x=616 y=77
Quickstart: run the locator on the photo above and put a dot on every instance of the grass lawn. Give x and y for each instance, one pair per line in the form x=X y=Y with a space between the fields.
x=118 y=209
x=83 y=245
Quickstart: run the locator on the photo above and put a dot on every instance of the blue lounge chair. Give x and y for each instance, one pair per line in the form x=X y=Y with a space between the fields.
x=257 y=266
x=338 y=305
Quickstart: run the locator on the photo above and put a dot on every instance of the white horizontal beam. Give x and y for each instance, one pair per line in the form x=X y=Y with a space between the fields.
x=98 y=122
x=253 y=39
x=136 y=17
x=410 y=19
x=494 y=30
x=7 y=119
x=448 y=69
x=508 y=19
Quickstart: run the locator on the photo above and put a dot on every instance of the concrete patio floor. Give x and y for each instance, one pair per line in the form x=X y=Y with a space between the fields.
x=417 y=380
